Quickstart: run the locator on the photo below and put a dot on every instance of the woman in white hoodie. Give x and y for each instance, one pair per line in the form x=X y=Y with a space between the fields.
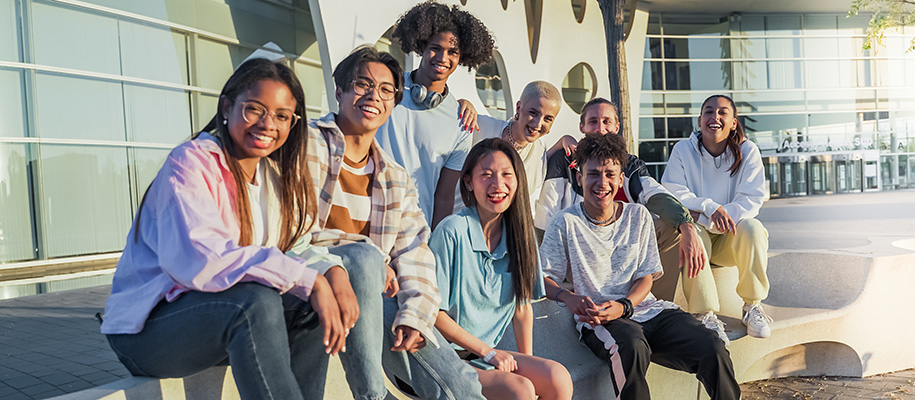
x=718 y=175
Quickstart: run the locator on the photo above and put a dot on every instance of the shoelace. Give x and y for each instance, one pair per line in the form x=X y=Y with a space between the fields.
x=756 y=313
x=712 y=322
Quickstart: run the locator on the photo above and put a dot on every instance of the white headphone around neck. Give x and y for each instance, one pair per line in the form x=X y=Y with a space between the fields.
x=428 y=99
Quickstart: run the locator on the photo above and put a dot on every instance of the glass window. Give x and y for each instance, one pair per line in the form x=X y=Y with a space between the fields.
x=9 y=36
x=148 y=162
x=153 y=53
x=783 y=25
x=820 y=24
x=206 y=110
x=680 y=127
x=78 y=108
x=685 y=103
x=841 y=100
x=157 y=115
x=654 y=25
x=653 y=151
x=784 y=74
x=763 y=124
x=698 y=75
x=650 y=128
x=823 y=74
x=16 y=233
x=90 y=41
x=651 y=103
x=492 y=93
x=653 y=48
x=769 y=101
x=783 y=48
x=830 y=124
x=752 y=48
x=700 y=25
x=312 y=78
x=749 y=25
x=217 y=61
x=579 y=86
x=653 y=80
x=697 y=47
x=12 y=114
x=751 y=75
x=306 y=40
x=178 y=11
x=84 y=187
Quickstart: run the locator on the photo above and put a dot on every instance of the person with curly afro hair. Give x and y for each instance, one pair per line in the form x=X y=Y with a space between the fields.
x=428 y=132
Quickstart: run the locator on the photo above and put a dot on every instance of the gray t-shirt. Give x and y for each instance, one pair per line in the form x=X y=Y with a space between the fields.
x=605 y=260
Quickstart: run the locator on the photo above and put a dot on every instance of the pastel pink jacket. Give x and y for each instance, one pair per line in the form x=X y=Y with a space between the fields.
x=188 y=240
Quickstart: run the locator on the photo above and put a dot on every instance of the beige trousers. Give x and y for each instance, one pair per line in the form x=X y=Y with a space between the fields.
x=747 y=249
x=669 y=249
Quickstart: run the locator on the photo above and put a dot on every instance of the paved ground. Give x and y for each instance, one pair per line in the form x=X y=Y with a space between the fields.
x=50 y=343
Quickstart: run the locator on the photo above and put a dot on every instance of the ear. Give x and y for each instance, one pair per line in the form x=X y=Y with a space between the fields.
x=338 y=92
x=581 y=127
x=225 y=104
x=622 y=176
x=578 y=177
x=616 y=128
x=466 y=182
x=518 y=108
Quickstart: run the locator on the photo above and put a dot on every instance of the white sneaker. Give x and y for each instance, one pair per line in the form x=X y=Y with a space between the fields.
x=756 y=320
x=710 y=321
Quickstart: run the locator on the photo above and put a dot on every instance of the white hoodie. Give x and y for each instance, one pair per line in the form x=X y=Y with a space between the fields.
x=694 y=179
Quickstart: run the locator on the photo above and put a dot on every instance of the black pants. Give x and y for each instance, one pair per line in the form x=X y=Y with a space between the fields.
x=673 y=339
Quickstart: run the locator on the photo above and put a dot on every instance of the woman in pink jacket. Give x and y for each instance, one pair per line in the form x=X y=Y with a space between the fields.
x=202 y=278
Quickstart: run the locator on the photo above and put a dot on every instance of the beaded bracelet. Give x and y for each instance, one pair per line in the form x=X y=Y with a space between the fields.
x=627 y=307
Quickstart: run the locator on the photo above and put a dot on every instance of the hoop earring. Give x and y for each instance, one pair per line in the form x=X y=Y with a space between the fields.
x=515 y=117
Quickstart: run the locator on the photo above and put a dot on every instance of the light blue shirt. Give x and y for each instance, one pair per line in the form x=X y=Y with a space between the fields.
x=476 y=285
x=425 y=141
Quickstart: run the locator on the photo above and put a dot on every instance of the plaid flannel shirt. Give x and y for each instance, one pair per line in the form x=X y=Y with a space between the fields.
x=397 y=225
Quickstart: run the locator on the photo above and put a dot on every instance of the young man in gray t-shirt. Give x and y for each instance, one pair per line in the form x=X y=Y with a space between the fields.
x=611 y=250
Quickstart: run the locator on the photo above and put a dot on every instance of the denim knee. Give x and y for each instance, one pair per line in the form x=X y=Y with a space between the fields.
x=364 y=265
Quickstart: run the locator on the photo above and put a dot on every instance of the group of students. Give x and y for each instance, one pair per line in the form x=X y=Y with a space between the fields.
x=271 y=242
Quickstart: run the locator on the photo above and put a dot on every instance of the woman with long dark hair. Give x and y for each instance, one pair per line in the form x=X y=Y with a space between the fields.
x=488 y=273
x=718 y=175
x=200 y=280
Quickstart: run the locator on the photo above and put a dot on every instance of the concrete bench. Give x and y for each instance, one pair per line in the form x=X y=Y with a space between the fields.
x=836 y=314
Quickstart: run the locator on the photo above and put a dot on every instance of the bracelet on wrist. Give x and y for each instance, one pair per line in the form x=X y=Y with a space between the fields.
x=627 y=307
x=488 y=357
x=559 y=303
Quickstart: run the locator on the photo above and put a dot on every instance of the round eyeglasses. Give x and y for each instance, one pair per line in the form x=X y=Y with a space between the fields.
x=362 y=86
x=254 y=113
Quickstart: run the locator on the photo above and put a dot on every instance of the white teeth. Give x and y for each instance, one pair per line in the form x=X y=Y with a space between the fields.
x=370 y=109
x=714 y=126
x=498 y=196
x=262 y=138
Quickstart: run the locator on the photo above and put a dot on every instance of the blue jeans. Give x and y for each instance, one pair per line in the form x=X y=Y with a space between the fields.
x=362 y=359
x=274 y=343
x=242 y=325
x=434 y=373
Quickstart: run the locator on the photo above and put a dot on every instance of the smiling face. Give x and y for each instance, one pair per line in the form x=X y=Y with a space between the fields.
x=600 y=181
x=257 y=139
x=493 y=183
x=599 y=119
x=440 y=58
x=364 y=114
x=717 y=119
x=535 y=118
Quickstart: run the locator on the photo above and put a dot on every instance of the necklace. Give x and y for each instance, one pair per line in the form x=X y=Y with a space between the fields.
x=608 y=221
x=511 y=138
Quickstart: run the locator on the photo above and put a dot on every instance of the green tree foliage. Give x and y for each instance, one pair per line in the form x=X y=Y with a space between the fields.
x=887 y=14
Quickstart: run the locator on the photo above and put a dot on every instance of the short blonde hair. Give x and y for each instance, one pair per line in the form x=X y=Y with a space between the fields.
x=540 y=89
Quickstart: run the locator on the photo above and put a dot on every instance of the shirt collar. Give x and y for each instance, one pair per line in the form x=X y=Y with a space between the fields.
x=478 y=241
x=329 y=122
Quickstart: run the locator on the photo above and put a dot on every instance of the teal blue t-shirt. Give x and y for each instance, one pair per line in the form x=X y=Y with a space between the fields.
x=476 y=285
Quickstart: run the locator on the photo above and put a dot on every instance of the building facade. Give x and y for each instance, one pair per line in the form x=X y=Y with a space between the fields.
x=96 y=92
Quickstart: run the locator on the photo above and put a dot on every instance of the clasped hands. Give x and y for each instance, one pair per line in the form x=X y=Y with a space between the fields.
x=589 y=312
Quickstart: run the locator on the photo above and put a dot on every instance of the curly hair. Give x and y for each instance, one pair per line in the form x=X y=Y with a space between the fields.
x=602 y=147
x=424 y=20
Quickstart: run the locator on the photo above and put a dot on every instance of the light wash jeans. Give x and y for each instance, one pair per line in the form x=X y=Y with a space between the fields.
x=434 y=373
x=274 y=343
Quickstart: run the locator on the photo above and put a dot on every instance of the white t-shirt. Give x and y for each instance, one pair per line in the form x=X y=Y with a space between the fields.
x=605 y=260
x=425 y=141
x=265 y=206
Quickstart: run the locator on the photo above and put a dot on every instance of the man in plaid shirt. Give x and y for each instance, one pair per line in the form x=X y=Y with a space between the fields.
x=359 y=187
